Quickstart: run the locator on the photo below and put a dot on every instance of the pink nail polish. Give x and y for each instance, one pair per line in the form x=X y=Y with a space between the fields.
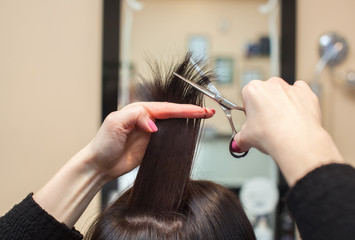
x=236 y=148
x=152 y=125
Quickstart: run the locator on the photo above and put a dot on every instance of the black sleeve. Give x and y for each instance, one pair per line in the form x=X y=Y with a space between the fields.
x=28 y=221
x=323 y=203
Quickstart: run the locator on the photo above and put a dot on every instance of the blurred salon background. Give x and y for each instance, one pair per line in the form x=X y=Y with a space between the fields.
x=65 y=64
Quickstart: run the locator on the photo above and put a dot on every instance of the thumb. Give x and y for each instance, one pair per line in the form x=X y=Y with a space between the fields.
x=152 y=125
x=239 y=144
x=146 y=124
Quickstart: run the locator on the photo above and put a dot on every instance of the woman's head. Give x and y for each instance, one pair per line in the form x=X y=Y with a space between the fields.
x=210 y=211
x=164 y=203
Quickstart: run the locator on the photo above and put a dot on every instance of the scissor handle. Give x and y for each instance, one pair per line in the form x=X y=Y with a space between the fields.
x=234 y=154
x=229 y=116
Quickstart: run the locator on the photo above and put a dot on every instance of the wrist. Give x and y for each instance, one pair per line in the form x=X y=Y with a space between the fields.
x=86 y=160
x=303 y=153
x=70 y=191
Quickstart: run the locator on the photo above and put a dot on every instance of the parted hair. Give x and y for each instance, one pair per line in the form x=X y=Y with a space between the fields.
x=164 y=202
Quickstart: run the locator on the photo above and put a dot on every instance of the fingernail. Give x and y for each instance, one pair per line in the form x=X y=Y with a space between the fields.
x=206 y=112
x=236 y=148
x=152 y=125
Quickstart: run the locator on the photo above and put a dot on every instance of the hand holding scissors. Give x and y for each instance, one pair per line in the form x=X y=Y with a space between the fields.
x=226 y=105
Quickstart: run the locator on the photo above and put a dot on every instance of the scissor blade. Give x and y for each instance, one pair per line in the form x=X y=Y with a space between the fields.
x=198 y=87
x=213 y=89
x=213 y=93
x=225 y=103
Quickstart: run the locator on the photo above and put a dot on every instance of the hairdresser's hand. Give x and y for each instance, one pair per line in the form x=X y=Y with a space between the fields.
x=117 y=148
x=123 y=137
x=284 y=121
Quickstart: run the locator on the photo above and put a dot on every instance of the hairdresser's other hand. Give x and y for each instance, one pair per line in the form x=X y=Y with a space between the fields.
x=123 y=137
x=284 y=121
x=117 y=148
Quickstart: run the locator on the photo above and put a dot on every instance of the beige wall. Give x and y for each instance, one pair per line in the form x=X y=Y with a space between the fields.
x=50 y=58
x=315 y=18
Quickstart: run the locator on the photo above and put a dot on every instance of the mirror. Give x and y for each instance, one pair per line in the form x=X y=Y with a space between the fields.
x=243 y=39
x=235 y=36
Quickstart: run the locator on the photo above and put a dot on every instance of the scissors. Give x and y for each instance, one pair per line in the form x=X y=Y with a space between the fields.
x=226 y=105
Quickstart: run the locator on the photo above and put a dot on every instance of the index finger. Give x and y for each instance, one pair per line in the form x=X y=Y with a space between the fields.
x=165 y=110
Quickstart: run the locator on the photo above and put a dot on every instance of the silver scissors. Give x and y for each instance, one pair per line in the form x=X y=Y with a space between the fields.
x=226 y=105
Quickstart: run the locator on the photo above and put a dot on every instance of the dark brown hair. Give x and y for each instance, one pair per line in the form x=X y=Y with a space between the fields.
x=164 y=203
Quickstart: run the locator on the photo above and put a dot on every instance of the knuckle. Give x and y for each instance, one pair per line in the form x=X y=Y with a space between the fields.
x=136 y=106
x=254 y=83
x=139 y=109
x=165 y=106
x=251 y=87
x=301 y=83
x=276 y=80
x=111 y=118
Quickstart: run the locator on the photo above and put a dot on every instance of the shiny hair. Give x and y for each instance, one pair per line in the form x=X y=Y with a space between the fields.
x=164 y=202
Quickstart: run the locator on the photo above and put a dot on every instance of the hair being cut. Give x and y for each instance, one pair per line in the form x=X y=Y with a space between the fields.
x=164 y=202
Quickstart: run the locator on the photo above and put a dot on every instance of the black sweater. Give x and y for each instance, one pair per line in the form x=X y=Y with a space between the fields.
x=322 y=204
x=28 y=221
